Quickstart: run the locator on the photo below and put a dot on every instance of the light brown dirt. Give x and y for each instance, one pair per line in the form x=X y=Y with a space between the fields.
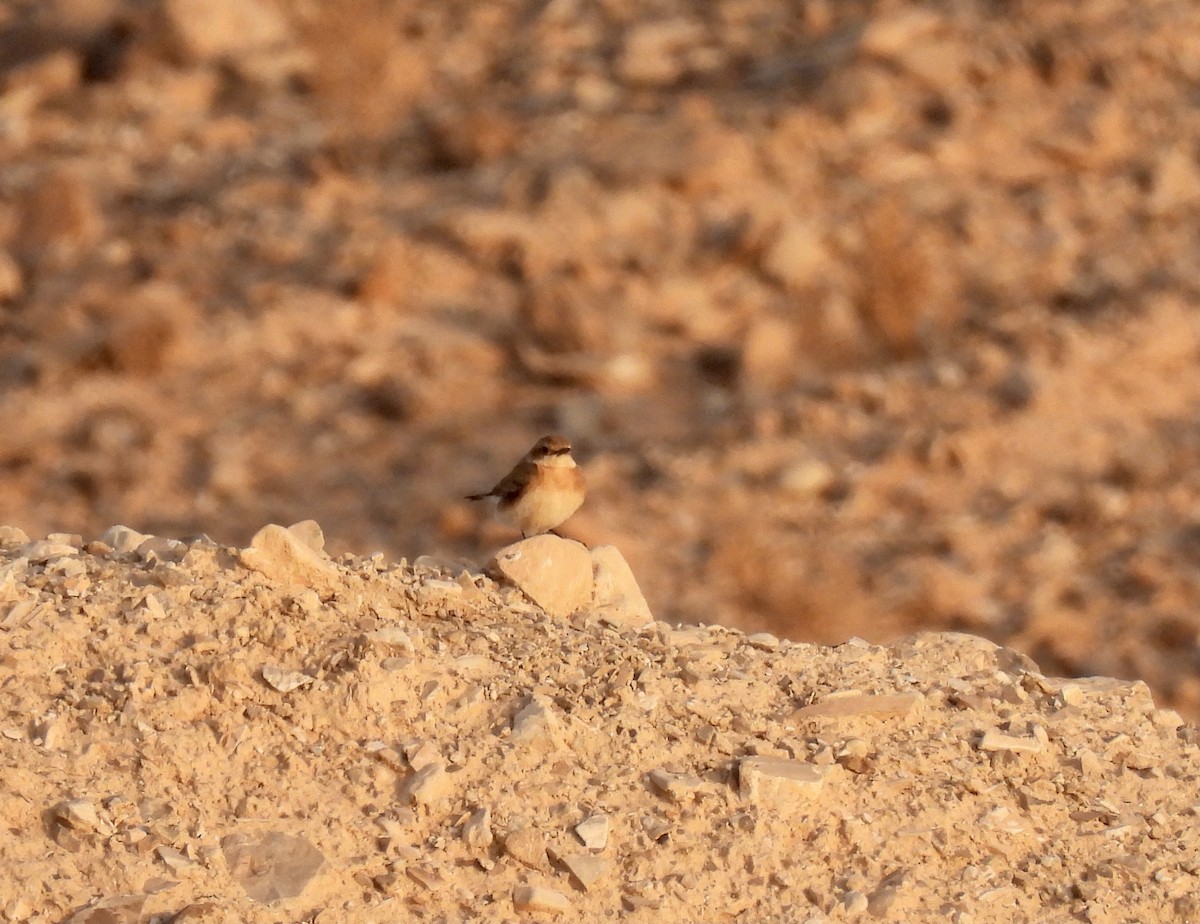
x=186 y=738
x=865 y=317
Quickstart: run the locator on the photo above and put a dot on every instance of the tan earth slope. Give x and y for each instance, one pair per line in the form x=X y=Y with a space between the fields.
x=198 y=733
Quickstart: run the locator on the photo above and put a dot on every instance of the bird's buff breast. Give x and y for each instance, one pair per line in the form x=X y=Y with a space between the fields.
x=557 y=495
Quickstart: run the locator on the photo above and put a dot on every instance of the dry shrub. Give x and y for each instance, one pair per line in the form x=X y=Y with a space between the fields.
x=804 y=590
x=906 y=294
x=370 y=70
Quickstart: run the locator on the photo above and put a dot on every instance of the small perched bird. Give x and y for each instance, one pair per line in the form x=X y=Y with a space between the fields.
x=542 y=490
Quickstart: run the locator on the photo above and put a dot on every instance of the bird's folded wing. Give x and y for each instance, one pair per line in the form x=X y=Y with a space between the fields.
x=515 y=481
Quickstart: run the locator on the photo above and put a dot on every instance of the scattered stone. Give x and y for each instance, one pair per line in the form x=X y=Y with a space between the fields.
x=778 y=781
x=428 y=785
x=587 y=868
x=284 y=680
x=160 y=548
x=593 y=832
x=43 y=550
x=676 y=786
x=536 y=898
x=527 y=847
x=477 y=830
x=12 y=536
x=655 y=53
x=422 y=754
x=393 y=637
x=118 y=909
x=122 y=539
x=176 y=860
x=809 y=478
x=280 y=555
x=854 y=755
x=536 y=722
x=80 y=815
x=617 y=598
x=310 y=533
x=209 y=30
x=272 y=866
x=554 y=573
x=997 y=741
x=861 y=705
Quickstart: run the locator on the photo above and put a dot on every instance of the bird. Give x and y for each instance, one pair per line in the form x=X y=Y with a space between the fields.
x=542 y=490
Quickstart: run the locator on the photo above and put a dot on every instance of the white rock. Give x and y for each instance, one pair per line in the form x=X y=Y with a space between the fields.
x=536 y=722
x=477 y=830
x=527 y=847
x=535 y=898
x=206 y=30
x=284 y=680
x=617 y=599
x=778 y=781
x=282 y=556
x=43 y=550
x=997 y=741
x=585 y=867
x=593 y=832
x=554 y=573
x=122 y=539
x=428 y=785
x=676 y=786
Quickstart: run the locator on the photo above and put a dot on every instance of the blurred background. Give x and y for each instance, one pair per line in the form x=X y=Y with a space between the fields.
x=864 y=316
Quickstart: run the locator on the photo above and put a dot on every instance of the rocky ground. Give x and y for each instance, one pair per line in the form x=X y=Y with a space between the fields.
x=865 y=317
x=198 y=733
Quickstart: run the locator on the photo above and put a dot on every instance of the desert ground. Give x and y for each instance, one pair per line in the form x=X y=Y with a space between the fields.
x=866 y=320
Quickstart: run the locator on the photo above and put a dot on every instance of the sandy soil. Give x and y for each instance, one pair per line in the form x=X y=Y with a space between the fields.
x=195 y=733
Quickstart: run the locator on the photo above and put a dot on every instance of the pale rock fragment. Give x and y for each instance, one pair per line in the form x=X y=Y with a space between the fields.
x=998 y=741
x=675 y=786
x=428 y=785
x=808 y=478
x=280 y=555
x=208 y=30
x=43 y=550
x=282 y=679
x=527 y=847
x=536 y=722
x=778 y=781
x=593 y=832
x=799 y=256
x=160 y=548
x=392 y=637
x=176 y=860
x=13 y=536
x=310 y=533
x=122 y=539
x=587 y=868
x=271 y=866
x=477 y=830
x=617 y=598
x=536 y=898
x=763 y=641
x=116 y=909
x=554 y=573
x=422 y=754
x=655 y=52
x=863 y=705
x=80 y=815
